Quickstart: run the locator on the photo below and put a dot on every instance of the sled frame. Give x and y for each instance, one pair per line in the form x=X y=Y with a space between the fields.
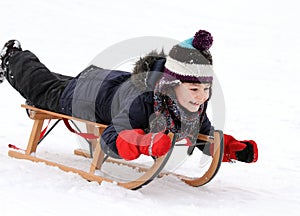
x=99 y=157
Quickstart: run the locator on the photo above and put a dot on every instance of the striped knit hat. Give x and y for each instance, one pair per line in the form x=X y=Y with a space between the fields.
x=190 y=60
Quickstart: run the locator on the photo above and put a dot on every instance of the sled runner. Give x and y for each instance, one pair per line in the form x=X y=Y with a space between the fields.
x=103 y=168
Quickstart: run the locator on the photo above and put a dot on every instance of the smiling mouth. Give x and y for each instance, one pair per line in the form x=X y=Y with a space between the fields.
x=194 y=103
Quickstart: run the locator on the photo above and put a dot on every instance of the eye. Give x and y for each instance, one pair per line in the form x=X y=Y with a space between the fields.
x=207 y=89
x=194 y=89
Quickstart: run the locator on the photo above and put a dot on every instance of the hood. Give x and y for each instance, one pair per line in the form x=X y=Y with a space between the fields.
x=148 y=70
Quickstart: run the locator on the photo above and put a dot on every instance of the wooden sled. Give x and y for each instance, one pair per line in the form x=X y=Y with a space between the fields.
x=99 y=161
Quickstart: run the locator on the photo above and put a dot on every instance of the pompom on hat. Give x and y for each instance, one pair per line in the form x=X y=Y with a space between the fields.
x=190 y=60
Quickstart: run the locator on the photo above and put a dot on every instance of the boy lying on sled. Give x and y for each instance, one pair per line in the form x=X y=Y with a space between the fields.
x=163 y=94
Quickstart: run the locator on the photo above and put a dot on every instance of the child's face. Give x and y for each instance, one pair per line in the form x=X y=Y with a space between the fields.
x=192 y=95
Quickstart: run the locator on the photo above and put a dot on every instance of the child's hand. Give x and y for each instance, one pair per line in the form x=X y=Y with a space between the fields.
x=245 y=151
x=132 y=143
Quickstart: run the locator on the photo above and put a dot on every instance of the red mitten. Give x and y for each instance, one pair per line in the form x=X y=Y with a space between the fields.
x=245 y=151
x=132 y=143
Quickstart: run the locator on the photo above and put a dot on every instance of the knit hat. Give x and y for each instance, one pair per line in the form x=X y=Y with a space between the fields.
x=190 y=60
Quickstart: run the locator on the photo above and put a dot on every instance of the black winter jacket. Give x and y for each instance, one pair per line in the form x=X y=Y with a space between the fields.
x=114 y=98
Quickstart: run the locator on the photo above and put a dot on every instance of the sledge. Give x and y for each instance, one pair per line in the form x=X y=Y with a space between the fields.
x=104 y=168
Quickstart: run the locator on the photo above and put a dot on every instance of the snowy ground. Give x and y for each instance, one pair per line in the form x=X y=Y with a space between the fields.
x=255 y=54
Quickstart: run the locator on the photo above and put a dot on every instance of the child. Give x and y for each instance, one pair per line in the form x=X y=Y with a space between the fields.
x=163 y=94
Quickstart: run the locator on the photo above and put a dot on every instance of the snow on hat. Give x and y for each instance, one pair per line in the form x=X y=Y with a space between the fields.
x=190 y=60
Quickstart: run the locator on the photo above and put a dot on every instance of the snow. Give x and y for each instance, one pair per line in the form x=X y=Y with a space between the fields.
x=256 y=49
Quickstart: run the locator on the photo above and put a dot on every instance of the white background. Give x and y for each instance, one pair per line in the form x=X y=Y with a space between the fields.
x=256 y=50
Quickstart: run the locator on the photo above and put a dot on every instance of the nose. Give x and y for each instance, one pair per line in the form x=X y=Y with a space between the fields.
x=201 y=95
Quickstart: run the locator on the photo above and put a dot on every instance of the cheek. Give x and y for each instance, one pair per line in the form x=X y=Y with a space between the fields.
x=181 y=98
x=207 y=95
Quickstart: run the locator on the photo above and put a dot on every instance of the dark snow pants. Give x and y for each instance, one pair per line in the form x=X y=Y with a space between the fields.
x=35 y=82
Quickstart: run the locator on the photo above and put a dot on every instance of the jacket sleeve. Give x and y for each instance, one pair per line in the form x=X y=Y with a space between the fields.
x=206 y=129
x=206 y=126
x=134 y=115
x=108 y=142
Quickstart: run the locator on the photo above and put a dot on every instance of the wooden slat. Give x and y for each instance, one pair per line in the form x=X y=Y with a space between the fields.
x=97 y=159
x=55 y=115
x=85 y=175
x=205 y=138
x=34 y=136
x=136 y=166
x=82 y=152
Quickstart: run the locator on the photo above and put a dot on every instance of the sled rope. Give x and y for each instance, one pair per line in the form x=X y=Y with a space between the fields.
x=44 y=133
x=44 y=130
x=84 y=135
x=15 y=147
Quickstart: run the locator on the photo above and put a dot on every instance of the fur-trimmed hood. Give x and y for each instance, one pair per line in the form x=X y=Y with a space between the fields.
x=148 y=70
